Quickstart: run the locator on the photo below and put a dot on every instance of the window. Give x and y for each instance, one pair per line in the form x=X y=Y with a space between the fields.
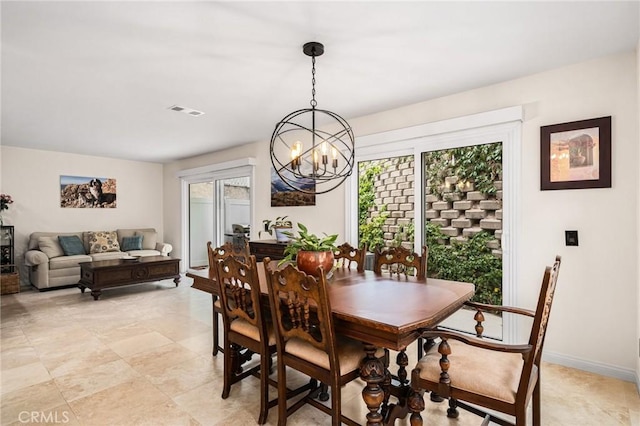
x=411 y=219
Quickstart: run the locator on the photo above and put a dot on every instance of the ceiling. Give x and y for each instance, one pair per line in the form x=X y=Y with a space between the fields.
x=98 y=78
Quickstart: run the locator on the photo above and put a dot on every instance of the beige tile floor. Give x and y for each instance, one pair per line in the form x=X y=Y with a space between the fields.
x=142 y=356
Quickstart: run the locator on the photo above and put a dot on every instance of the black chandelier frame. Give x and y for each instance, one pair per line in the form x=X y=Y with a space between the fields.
x=313 y=163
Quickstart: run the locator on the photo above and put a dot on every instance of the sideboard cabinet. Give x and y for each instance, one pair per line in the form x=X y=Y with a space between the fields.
x=267 y=248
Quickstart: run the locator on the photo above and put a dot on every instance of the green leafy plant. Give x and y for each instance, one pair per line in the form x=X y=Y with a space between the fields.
x=480 y=165
x=371 y=232
x=279 y=222
x=306 y=241
x=470 y=261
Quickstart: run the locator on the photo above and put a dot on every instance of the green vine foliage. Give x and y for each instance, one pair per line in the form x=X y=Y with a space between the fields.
x=470 y=261
x=370 y=230
x=366 y=188
x=371 y=233
x=478 y=164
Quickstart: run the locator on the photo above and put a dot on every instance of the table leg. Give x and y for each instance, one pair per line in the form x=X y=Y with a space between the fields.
x=96 y=294
x=176 y=280
x=402 y=360
x=372 y=372
x=82 y=288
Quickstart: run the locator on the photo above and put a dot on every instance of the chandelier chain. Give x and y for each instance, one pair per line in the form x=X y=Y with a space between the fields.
x=313 y=82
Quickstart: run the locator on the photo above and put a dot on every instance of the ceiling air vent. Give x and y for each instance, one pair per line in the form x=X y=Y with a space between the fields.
x=186 y=110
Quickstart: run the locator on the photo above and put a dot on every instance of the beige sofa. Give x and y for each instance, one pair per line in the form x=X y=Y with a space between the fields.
x=50 y=267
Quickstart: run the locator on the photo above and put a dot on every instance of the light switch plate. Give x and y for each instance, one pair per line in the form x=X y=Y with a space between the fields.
x=571 y=238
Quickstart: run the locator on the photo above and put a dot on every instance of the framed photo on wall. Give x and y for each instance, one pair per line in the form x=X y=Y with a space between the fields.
x=87 y=192
x=576 y=155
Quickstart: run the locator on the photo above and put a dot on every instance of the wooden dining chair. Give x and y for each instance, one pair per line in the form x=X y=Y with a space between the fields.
x=401 y=261
x=241 y=253
x=489 y=374
x=306 y=340
x=246 y=331
x=345 y=255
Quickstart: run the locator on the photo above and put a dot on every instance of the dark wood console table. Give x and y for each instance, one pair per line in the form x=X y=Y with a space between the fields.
x=118 y=272
x=267 y=248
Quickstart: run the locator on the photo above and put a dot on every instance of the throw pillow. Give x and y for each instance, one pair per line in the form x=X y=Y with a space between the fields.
x=50 y=247
x=131 y=243
x=71 y=245
x=149 y=239
x=103 y=241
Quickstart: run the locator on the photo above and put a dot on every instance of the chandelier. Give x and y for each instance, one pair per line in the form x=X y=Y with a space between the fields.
x=307 y=158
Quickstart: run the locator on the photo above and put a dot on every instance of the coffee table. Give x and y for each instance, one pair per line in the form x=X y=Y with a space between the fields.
x=102 y=274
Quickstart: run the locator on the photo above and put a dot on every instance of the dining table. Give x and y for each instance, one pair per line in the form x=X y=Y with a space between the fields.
x=381 y=311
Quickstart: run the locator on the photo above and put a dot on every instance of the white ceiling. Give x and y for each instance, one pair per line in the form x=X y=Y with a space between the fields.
x=98 y=78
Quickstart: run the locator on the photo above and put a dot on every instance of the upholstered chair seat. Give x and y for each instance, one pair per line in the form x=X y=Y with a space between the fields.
x=492 y=374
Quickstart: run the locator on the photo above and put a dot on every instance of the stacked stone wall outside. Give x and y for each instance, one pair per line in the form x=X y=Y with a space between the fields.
x=460 y=214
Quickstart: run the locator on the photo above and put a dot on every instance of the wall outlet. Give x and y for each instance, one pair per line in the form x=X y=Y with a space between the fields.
x=571 y=238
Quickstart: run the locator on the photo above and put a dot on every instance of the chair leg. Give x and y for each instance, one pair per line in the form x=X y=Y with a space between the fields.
x=265 y=360
x=282 y=395
x=452 y=411
x=228 y=369
x=336 y=405
x=324 y=392
x=215 y=326
x=536 y=420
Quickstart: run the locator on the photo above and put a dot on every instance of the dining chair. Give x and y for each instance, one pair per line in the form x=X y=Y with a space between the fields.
x=306 y=340
x=402 y=261
x=399 y=260
x=245 y=329
x=345 y=255
x=497 y=376
x=241 y=253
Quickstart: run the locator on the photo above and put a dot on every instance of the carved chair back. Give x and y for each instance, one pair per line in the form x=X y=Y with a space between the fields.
x=540 y=321
x=300 y=309
x=215 y=255
x=240 y=252
x=345 y=255
x=240 y=291
x=399 y=260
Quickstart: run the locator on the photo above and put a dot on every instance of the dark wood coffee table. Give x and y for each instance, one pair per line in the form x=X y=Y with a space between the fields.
x=118 y=272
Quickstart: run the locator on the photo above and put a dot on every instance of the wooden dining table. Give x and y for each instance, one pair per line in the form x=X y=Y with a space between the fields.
x=380 y=311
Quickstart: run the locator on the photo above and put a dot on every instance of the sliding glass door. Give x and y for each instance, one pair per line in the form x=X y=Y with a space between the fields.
x=201 y=222
x=217 y=208
x=453 y=191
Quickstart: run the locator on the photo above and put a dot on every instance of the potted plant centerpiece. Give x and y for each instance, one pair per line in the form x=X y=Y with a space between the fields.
x=310 y=251
x=280 y=226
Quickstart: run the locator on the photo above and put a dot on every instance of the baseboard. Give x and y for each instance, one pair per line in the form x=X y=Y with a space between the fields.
x=627 y=375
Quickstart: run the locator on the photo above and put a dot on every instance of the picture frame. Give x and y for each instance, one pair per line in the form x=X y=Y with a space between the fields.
x=87 y=192
x=576 y=155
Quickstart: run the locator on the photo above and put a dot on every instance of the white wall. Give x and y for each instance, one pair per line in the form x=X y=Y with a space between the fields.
x=595 y=320
x=638 y=221
x=32 y=178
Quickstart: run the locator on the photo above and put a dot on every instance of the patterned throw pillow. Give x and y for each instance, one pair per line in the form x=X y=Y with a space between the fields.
x=71 y=245
x=132 y=243
x=103 y=241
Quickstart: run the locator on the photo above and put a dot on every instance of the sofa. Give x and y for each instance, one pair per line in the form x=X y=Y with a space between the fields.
x=53 y=258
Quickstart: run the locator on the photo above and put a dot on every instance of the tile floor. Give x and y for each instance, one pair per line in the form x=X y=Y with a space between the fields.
x=142 y=356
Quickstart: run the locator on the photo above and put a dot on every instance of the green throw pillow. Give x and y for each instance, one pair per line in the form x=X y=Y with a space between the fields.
x=71 y=245
x=131 y=243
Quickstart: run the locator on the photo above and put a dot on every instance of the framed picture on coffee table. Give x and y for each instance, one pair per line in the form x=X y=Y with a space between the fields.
x=576 y=155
